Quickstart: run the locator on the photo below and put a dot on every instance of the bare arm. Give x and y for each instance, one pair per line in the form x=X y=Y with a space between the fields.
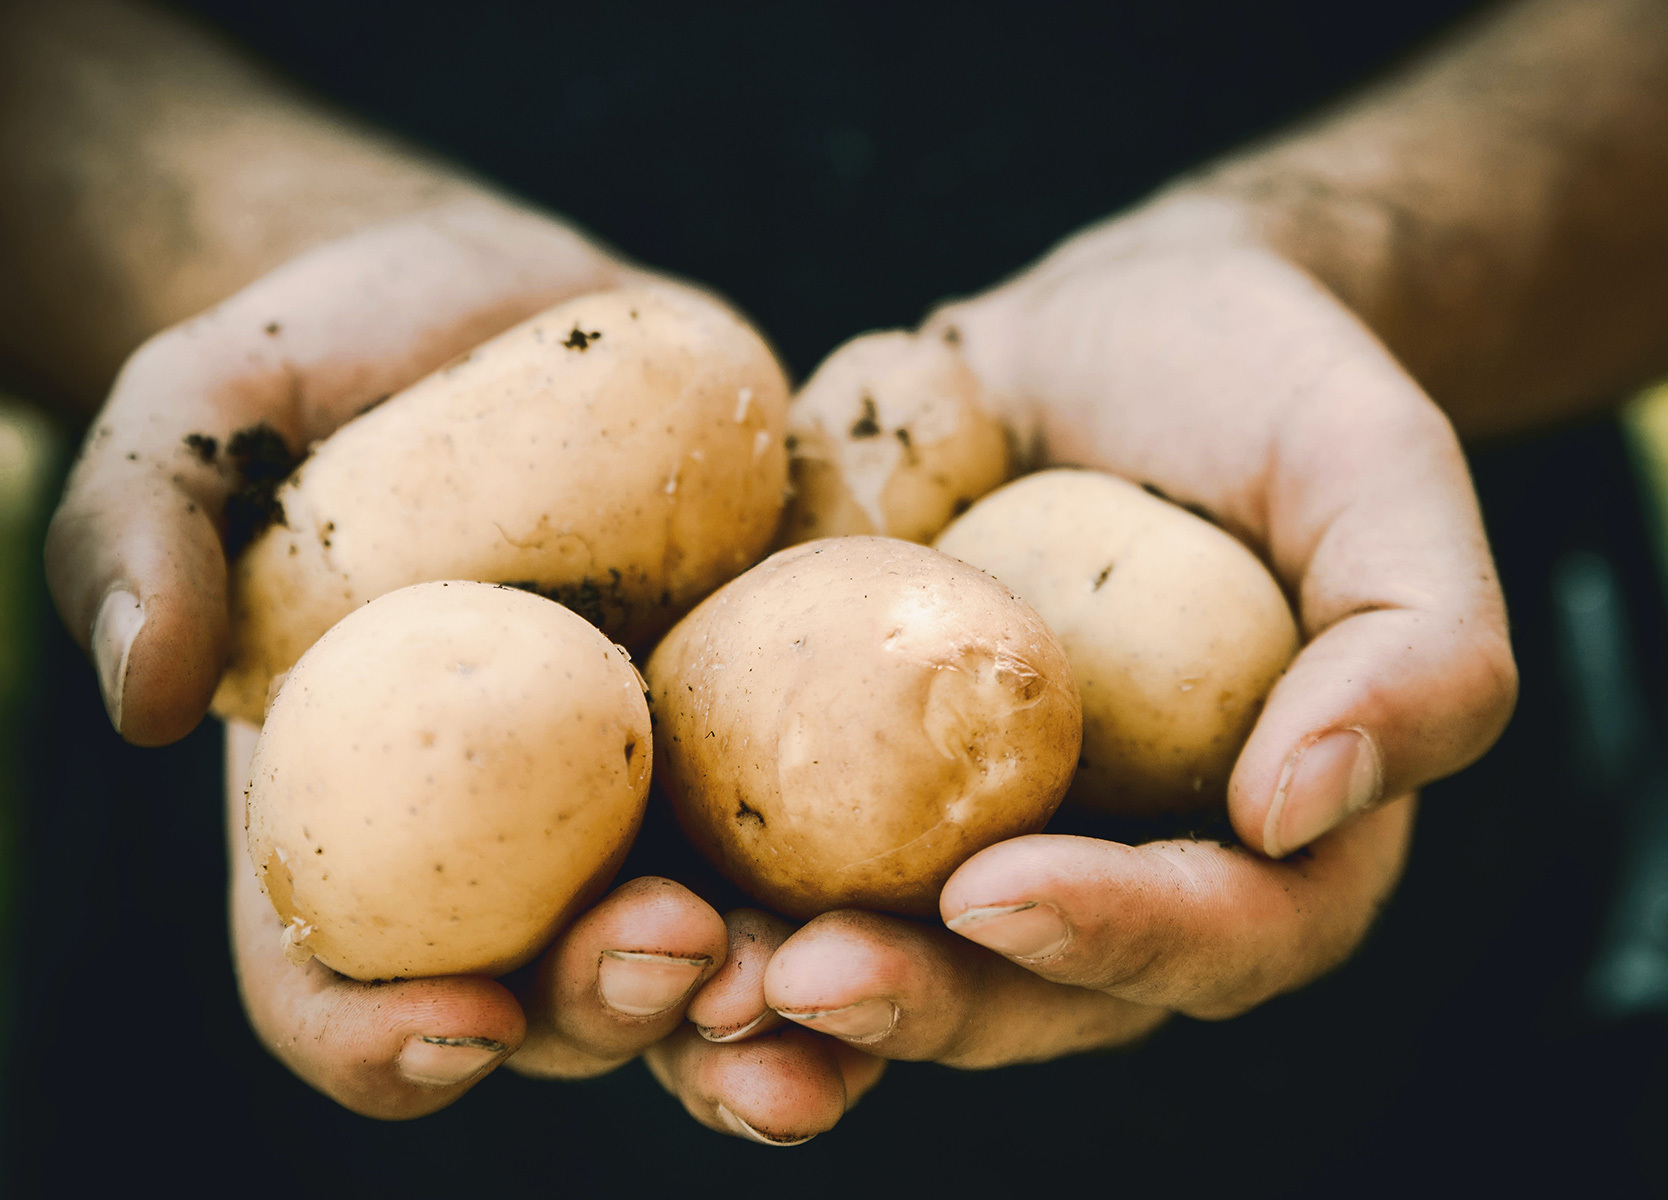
x=1498 y=213
x=148 y=172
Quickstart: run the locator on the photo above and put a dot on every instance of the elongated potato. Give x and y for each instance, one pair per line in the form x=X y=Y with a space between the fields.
x=892 y=435
x=443 y=779
x=849 y=721
x=1175 y=631
x=621 y=453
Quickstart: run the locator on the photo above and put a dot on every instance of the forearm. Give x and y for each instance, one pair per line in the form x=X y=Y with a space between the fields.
x=147 y=172
x=1498 y=214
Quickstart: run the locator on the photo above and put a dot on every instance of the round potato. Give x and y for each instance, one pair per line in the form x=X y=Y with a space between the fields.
x=1175 y=631
x=892 y=435
x=621 y=453
x=443 y=779
x=850 y=720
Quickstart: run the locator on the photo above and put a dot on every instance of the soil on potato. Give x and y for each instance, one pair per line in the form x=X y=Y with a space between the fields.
x=262 y=460
x=606 y=603
x=867 y=425
x=203 y=446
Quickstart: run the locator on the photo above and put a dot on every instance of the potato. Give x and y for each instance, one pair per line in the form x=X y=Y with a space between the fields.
x=850 y=720
x=444 y=778
x=892 y=435
x=621 y=453
x=1175 y=631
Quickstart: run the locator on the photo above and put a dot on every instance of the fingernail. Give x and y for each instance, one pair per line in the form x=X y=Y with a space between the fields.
x=1029 y=930
x=120 y=618
x=736 y=1125
x=447 y=1061
x=865 y=1021
x=645 y=985
x=724 y=1033
x=1323 y=783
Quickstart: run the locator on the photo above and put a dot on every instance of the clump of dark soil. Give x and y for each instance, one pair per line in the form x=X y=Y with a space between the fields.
x=606 y=603
x=262 y=460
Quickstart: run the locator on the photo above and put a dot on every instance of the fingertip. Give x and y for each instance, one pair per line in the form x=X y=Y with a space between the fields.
x=655 y=907
x=436 y=1061
x=784 y=1089
x=437 y=1039
x=1324 y=782
x=1002 y=876
x=120 y=619
x=731 y=1004
x=867 y=979
x=389 y=1051
x=142 y=584
x=826 y=963
x=485 y=1008
x=172 y=668
x=1376 y=706
x=456 y=1031
x=779 y=1090
x=620 y=978
x=651 y=915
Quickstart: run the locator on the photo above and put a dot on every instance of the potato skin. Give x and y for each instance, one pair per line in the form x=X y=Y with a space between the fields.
x=443 y=779
x=893 y=435
x=853 y=718
x=1176 y=632
x=621 y=453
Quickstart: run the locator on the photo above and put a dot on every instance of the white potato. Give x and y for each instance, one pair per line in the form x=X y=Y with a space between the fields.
x=621 y=453
x=1175 y=631
x=853 y=718
x=443 y=779
x=893 y=435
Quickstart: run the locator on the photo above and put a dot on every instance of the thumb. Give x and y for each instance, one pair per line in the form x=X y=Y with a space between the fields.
x=134 y=555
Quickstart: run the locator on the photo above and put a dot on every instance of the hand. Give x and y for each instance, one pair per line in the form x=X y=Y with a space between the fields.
x=1171 y=348
x=739 y=1071
x=1096 y=943
x=617 y=983
x=136 y=563
x=134 y=553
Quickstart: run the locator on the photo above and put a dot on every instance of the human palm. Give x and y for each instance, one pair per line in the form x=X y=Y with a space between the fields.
x=1169 y=347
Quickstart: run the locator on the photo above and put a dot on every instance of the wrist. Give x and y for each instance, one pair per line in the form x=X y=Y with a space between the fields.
x=149 y=173
x=1334 y=228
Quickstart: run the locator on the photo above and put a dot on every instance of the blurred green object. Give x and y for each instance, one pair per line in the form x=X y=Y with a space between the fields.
x=1645 y=422
x=28 y=465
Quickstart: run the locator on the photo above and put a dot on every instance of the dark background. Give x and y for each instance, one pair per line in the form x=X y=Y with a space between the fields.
x=835 y=168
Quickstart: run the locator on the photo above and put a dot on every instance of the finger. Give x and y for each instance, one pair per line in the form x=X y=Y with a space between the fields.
x=906 y=991
x=780 y=1089
x=620 y=978
x=1193 y=926
x=133 y=554
x=1236 y=383
x=392 y=1050
x=731 y=1005
x=1407 y=674
x=134 y=558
